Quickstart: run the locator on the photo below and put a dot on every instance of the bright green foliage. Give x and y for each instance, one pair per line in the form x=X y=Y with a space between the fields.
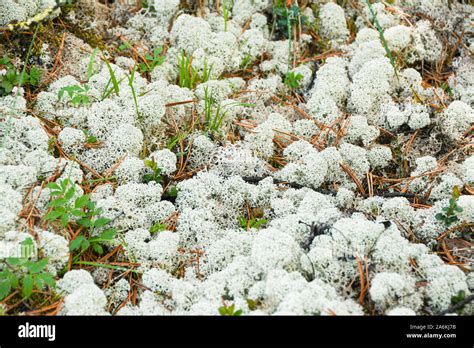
x=449 y=216
x=77 y=93
x=10 y=77
x=22 y=273
x=90 y=139
x=158 y=227
x=152 y=61
x=82 y=243
x=189 y=77
x=292 y=80
x=252 y=223
x=83 y=209
x=155 y=175
x=229 y=311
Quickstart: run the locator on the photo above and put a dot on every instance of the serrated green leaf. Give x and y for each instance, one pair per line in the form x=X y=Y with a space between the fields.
x=85 y=245
x=27 y=286
x=52 y=215
x=64 y=220
x=53 y=186
x=36 y=267
x=57 y=202
x=70 y=193
x=13 y=280
x=98 y=249
x=47 y=278
x=39 y=284
x=108 y=234
x=101 y=222
x=78 y=213
x=14 y=261
x=5 y=287
x=76 y=243
x=86 y=222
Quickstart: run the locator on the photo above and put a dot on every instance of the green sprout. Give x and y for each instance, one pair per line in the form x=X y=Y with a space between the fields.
x=449 y=213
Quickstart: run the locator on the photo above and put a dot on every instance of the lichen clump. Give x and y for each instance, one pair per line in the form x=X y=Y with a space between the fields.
x=226 y=167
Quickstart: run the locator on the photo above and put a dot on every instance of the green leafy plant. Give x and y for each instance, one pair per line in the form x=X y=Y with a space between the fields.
x=449 y=213
x=292 y=80
x=11 y=78
x=77 y=93
x=252 y=223
x=152 y=60
x=155 y=174
x=90 y=139
x=84 y=210
x=25 y=274
x=83 y=243
x=158 y=227
x=229 y=310
x=460 y=296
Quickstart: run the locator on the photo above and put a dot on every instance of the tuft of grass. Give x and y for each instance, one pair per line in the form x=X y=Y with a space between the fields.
x=189 y=77
x=215 y=113
x=382 y=37
x=90 y=66
x=225 y=13
x=113 y=78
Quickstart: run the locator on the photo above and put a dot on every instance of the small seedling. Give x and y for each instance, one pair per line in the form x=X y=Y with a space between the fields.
x=152 y=61
x=90 y=139
x=22 y=273
x=252 y=223
x=229 y=310
x=292 y=80
x=158 y=227
x=460 y=296
x=77 y=93
x=11 y=78
x=449 y=216
x=155 y=174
